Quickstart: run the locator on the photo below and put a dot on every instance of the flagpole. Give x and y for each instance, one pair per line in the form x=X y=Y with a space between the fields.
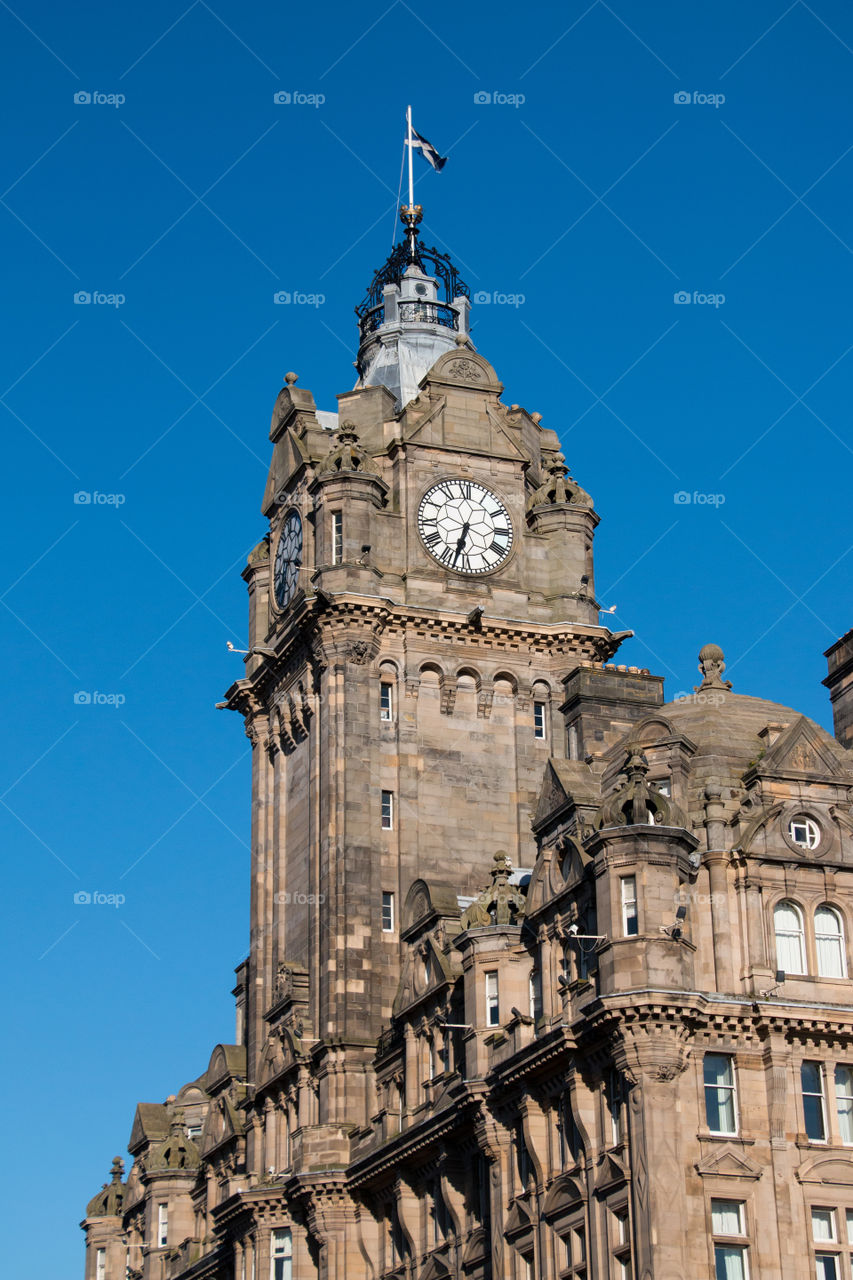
x=411 y=182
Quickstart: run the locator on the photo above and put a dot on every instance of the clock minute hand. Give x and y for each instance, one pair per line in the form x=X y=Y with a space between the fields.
x=460 y=545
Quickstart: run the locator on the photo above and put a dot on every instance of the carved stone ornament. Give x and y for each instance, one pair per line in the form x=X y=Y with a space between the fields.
x=559 y=488
x=500 y=904
x=347 y=455
x=358 y=651
x=465 y=370
x=712 y=664
x=636 y=803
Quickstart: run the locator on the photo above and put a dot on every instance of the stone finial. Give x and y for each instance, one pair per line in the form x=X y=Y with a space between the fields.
x=117 y=1171
x=559 y=488
x=501 y=903
x=347 y=454
x=712 y=664
x=290 y=378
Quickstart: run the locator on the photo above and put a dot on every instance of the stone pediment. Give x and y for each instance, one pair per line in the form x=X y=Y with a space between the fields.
x=227 y=1062
x=281 y=1051
x=564 y=1196
x=426 y=971
x=518 y=1220
x=428 y=901
x=610 y=1173
x=221 y=1125
x=288 y=457
x=803 y=750
x=437 y=1266
x=565 y=782
x=835 y=1170
x=463 y=368
x=728 y=1163
x=150 y=1124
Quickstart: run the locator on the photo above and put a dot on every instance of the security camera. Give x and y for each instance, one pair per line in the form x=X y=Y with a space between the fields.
x=574 y=930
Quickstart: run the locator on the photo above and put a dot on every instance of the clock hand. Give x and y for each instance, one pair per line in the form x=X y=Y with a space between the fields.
x=460 y=545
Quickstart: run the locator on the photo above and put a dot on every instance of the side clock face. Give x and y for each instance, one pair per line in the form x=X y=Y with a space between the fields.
x=465 y=527
x=288 y=559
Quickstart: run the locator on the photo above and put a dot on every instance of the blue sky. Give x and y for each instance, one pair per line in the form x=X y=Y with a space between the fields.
x=583 y=191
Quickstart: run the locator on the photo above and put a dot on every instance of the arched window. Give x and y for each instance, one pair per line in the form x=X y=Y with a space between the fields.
x=790 y=944
x=829 y=940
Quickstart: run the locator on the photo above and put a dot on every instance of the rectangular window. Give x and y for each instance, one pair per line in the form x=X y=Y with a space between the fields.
x=387 y=913
x=281 y=1254
x=720 y=1103
x=493 y=1012
x=162 y=1225
x=386 y=702
x=849 y=1217
x=823 y=1226
x=814 y=1110
x=844 y=1103
x=101 y=1265
x=727 y=1221
x=387 y=810
x=630 y=920
x=615 y=1099
x=535 y=995
x=194 y=1132
x=337 y=537
x=827 y=1266
x=539 y=720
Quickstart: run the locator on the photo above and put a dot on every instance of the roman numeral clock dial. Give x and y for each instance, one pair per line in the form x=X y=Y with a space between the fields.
x=465 y=527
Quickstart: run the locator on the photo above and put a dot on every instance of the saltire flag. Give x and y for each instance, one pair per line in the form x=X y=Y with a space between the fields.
x=428 y=151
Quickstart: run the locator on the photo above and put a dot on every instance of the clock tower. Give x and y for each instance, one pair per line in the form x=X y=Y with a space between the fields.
x=425 y=587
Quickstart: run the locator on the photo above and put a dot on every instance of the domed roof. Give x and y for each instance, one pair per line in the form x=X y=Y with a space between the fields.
x=729 y=727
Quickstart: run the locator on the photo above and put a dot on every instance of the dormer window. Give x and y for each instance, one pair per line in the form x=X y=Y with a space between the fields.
x=804 y=832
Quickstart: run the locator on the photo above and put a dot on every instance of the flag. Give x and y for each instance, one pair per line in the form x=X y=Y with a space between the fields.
x=428 y=151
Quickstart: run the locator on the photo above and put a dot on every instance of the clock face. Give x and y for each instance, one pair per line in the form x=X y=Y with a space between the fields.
x=465 y=527
x=288 y=559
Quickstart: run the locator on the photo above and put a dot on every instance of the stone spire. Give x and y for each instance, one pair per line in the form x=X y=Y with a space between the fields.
x=414 y=311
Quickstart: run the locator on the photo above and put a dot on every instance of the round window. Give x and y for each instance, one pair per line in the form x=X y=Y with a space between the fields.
x=804 y=832
x=421 y=290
